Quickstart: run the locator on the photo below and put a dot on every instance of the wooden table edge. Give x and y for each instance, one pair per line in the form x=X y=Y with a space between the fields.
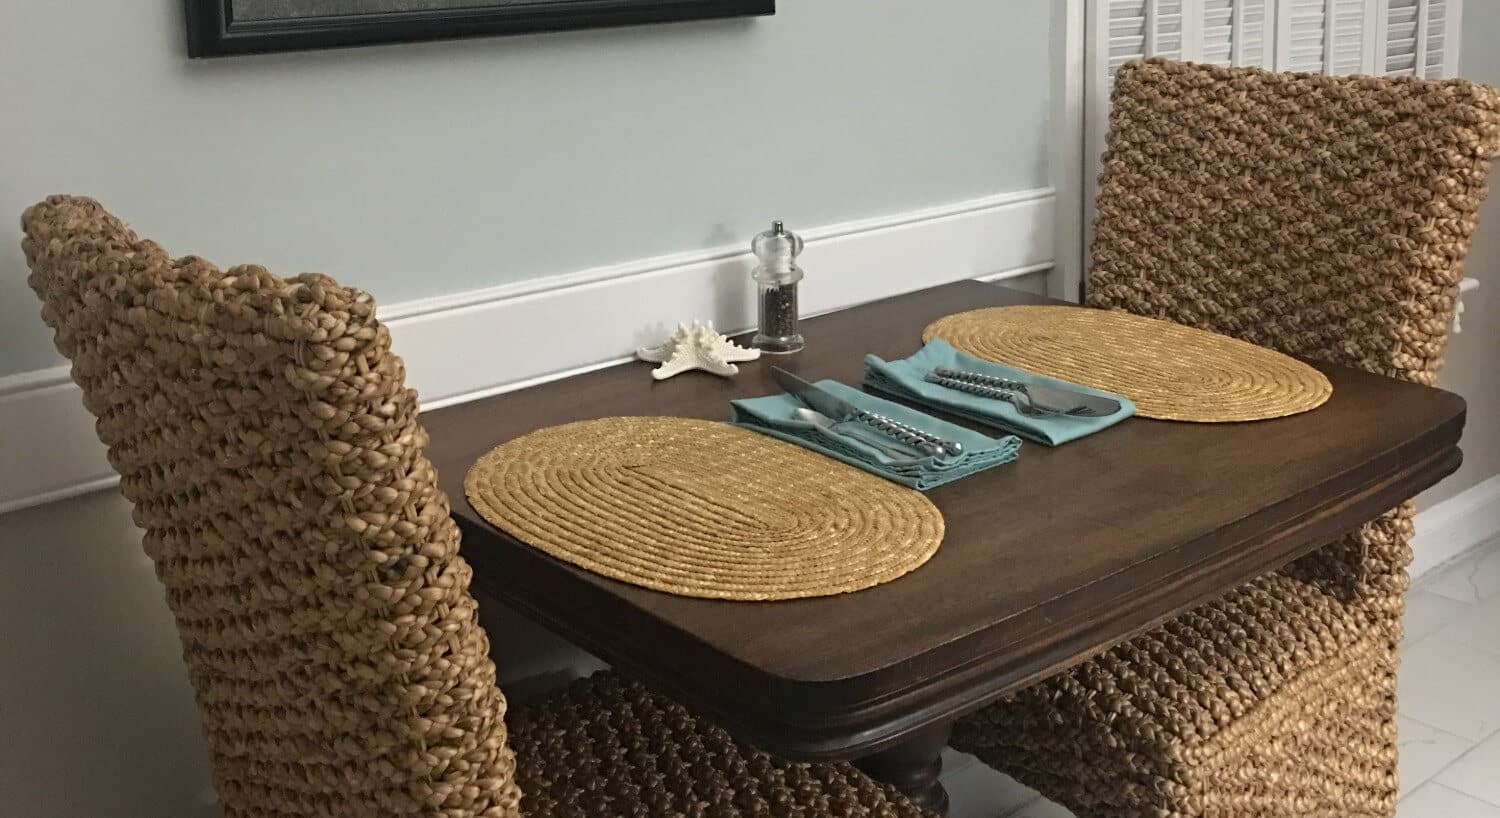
x=879 y=724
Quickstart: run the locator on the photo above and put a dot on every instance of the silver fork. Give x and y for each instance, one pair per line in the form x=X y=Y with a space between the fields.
x=1014 y=397
x=898 y=455
x=1064 y=401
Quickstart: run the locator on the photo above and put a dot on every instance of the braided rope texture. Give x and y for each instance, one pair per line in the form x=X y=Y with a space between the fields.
x=628 y=752
x=699 y=508
x=1325 y=217
x=264 y=434
x=263 y=431
x=1169 y=371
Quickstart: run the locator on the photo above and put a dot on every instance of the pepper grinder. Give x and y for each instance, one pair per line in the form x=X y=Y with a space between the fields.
x=777 y=276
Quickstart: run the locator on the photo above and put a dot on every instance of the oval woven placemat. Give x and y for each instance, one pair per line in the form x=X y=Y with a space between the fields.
x=1170 y=371
x=702 y=509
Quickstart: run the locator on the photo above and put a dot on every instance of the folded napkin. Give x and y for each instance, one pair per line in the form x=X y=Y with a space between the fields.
x=774 y=415
x=907 y=379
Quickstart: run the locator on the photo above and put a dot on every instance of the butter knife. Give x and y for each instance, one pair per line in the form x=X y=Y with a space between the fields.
x=841 y=410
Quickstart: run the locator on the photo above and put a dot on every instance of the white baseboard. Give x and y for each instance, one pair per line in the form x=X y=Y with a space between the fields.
x=481 y=343
x=1455 y=525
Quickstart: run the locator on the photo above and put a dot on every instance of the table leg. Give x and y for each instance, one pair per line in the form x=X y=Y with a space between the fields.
x=913 y=767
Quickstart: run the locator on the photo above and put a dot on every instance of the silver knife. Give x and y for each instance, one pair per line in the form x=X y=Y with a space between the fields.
x=841 y=410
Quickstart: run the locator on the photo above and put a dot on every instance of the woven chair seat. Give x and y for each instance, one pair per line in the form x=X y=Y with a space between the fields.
x=1208 y=707
x=607 y=747
x=264 y=432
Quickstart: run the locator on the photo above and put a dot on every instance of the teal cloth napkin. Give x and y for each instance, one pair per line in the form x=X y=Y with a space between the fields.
x=906 y=379
x=773 y=415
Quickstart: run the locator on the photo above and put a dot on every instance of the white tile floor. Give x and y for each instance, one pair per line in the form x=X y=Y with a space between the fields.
x=1448 y=697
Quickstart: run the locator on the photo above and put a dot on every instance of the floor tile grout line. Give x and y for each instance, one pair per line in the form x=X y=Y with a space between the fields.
x=1019 y=808
x=1410 y=717
x=1433 y=779
x=1432 y=776
x=1487 y=545
x=1403 y=646
x=1476 y=601
x=1473 y=553
x=1492 y=652
x=1434 y=783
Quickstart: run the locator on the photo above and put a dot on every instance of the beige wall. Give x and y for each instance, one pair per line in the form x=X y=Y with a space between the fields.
x=1471 y=368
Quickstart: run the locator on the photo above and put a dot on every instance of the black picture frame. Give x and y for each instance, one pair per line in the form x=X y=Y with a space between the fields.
x=213 y=30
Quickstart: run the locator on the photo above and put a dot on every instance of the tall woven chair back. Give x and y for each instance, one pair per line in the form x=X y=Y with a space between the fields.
x=263 y=431
x=1324 y=216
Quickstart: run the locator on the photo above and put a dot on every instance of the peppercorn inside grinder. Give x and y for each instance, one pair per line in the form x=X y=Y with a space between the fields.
x=777 y=276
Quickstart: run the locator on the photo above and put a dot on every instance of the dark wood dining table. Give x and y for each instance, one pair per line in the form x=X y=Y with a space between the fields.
x=1046 y=561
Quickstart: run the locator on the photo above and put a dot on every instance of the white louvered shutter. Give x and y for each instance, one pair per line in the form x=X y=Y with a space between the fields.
x=1331 y=36
x=1416 y=38
x=1381 y=37
x=1230 y=32
x=1301 y=38
x=1347 y=42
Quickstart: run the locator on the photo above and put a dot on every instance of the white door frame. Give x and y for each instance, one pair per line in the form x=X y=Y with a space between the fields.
x=1066 y=160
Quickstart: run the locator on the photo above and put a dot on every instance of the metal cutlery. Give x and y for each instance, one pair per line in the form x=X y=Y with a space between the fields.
x=840 y=410
x=1042 y=396
x=1014 y=397
x=897 y=454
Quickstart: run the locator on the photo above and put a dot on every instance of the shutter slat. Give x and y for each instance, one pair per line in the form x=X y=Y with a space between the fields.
x=1127 y=33
x=1302 y=45
x=1337 y=36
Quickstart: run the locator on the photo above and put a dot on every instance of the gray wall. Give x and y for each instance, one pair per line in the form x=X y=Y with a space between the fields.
x=1471 y=368
x=429 y=169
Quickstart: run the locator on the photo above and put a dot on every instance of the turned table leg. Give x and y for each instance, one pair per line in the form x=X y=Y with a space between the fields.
x=912 y=766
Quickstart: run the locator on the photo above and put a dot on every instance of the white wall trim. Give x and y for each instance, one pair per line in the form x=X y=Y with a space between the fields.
x=475 y=344
x=1453 y=37
x=1453 y=526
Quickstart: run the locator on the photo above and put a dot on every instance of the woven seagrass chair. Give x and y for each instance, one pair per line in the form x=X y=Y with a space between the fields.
x=264 y=433
x=1326 y=217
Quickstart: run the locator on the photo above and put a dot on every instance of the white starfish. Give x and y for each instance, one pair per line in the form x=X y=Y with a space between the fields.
x=696 y=346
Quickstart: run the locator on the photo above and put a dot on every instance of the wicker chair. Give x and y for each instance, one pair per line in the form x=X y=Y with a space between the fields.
x=264 y=433
x=1326 y=217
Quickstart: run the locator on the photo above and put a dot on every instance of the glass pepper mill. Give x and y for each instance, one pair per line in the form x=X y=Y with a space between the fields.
x=777 y=276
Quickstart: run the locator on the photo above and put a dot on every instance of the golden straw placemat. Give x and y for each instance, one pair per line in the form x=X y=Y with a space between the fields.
x=1170 y=371
x=703 y=509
